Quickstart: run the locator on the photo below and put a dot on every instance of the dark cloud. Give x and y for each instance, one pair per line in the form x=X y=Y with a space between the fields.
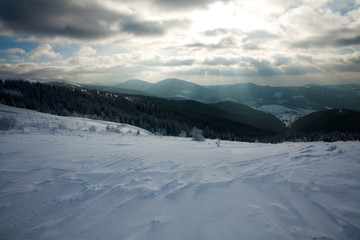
x=200 y=71
x=46 y=73
x=263 y=67
x=257 y=68
x=70 y=19
x=305 y=58
x=142 y=28
x=59 y=18
x=355 y=60
x=344 y=68
x=299 y=70
x=185 y=4
x=330 y=40
x=243 y=66
x=132 y=25
x=343 y=42
x=252 y=40
x=310 y=42
x=281 y=60
x=350 y=63
x=252 y=67
x=223 y=72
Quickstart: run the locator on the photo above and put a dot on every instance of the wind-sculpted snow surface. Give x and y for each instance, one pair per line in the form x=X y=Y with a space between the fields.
x=61 y=180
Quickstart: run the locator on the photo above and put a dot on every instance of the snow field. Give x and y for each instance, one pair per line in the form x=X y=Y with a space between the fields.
x=285 y=114
x=69 y=182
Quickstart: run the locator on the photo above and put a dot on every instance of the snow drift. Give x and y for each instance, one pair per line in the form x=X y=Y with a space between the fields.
x=74 y=178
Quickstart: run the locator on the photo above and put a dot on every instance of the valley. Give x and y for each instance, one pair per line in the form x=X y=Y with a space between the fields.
x=226 y=120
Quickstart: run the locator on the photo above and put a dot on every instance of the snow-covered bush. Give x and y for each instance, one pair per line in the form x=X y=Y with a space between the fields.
x=182 y=134
x=112 y=129
x=196 y=134
x=92 y=129
x=62 y=126
x=7 y=123
x=217 y=142
x=58 y=126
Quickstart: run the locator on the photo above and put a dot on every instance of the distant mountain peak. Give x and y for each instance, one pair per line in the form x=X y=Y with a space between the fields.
x=176 y=81
x=313 y=97
x=135 y=80
x=135 y=84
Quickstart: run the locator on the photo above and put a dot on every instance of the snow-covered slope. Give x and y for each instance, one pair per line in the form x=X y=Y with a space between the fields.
x=285 y=114
x=27 y=121
x=59 y=180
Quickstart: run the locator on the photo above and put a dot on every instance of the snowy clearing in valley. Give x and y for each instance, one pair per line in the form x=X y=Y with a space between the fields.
x=285 y=114
x=75 y=178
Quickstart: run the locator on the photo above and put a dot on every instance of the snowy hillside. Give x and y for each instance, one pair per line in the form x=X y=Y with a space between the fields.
x=74 y=178
x=285 y=114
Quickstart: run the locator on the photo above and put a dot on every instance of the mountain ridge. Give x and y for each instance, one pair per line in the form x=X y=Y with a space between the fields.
x=158 y=115
x=226 y=120
x=341 y=120
x=314 y=97
x=296 y=100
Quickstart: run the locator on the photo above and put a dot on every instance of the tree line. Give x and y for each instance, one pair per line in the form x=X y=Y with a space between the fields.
x=159 y=116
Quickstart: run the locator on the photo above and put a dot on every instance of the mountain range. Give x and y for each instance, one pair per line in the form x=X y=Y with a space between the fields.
x=343 y=120
x=226 y=119
x=313 y=97
x=287 y=103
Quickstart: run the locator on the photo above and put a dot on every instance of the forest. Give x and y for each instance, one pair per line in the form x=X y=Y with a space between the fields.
x=157 y=115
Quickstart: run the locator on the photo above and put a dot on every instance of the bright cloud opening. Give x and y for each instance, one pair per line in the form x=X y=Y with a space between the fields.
x=207 y=41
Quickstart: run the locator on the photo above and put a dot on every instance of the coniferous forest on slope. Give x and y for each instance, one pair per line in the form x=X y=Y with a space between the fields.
x=227 y=120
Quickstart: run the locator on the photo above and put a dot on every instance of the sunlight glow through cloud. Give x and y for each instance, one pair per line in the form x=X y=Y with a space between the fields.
x=274 y=42
x=226 y=16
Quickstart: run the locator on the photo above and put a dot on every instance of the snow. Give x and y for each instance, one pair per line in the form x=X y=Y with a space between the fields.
x=285 y=114
x=58 y=180
x=28 y=121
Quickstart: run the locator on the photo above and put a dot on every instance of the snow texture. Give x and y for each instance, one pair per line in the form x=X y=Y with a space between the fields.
x=60 y=180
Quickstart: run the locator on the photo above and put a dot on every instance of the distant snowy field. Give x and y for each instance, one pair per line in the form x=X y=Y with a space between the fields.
x=71 y=178
x=285 y=114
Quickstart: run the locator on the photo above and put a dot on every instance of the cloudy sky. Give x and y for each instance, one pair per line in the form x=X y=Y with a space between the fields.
x=268 y=42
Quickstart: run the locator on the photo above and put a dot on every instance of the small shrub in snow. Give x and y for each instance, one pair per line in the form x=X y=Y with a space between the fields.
x=112 y=129
x=92 y=129
x=182 y=134
x=217 y=142
x=7 y=123
x=62 y=126
x=196 y=135
x=52 y=129
x=58 y=126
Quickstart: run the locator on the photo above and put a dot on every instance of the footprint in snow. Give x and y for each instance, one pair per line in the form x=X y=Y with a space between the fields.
x=307 y=149
x=331 y=148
